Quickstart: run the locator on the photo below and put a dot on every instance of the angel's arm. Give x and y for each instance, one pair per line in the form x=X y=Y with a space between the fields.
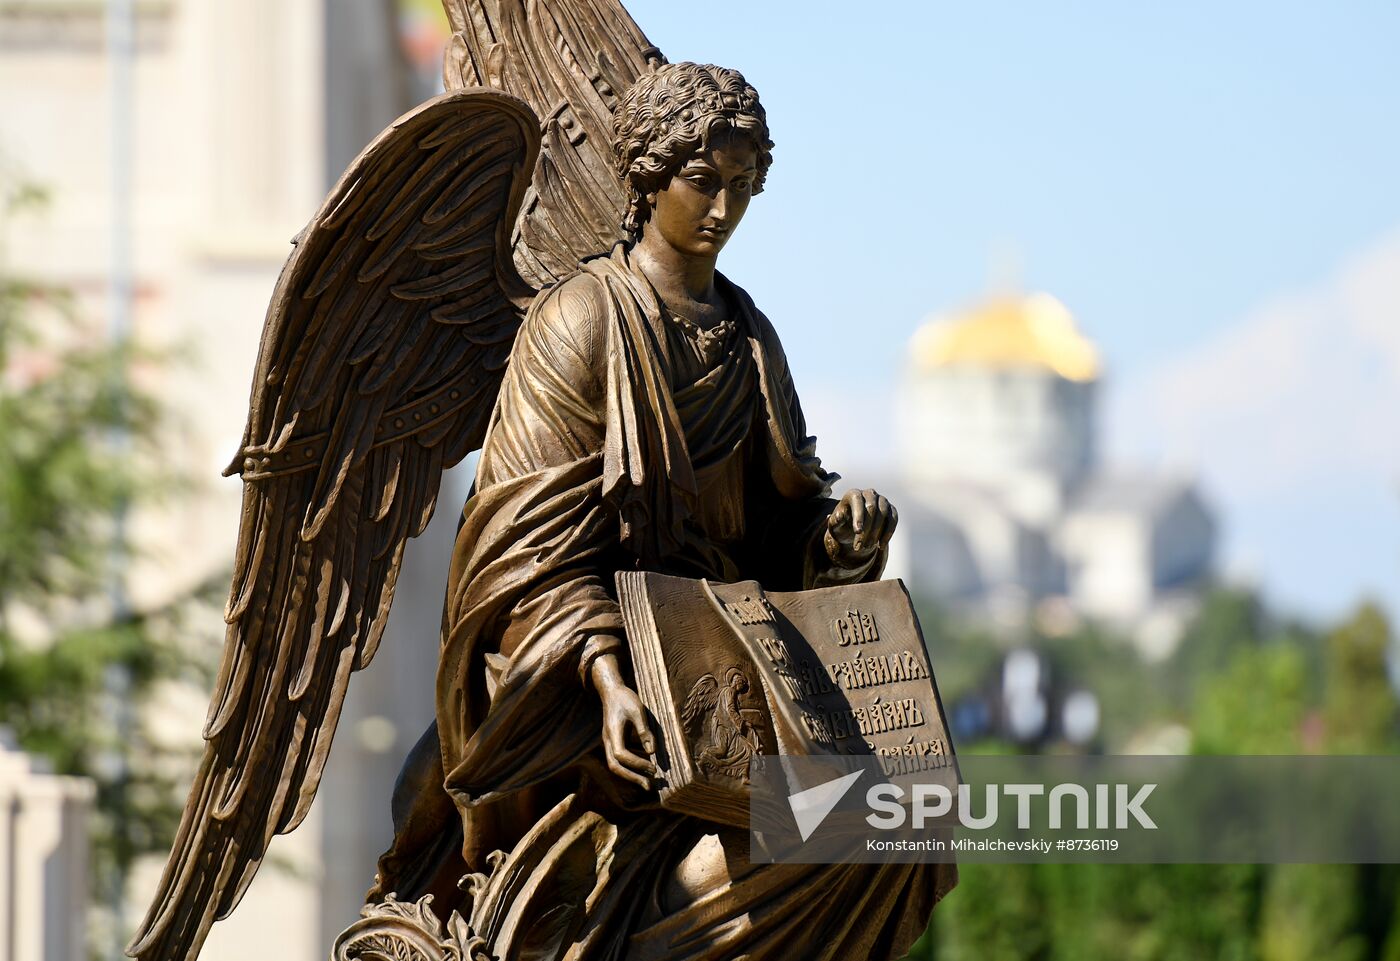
x=548 y=416
x=537 y=553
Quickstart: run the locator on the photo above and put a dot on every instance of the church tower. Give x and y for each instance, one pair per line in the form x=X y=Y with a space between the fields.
x=1002 y=396
x=1009 y=509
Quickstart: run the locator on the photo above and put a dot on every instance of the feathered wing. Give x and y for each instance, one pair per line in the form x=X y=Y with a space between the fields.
x=382 y=353
x=570 y=60
x=701 y=700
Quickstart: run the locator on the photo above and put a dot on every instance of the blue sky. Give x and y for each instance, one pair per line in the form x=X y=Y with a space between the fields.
x=1212 y=188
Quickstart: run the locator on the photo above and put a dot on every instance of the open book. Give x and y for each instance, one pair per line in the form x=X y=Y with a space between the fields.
x=732 y=673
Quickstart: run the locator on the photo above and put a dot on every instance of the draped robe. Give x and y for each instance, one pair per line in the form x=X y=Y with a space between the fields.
x=625 y=438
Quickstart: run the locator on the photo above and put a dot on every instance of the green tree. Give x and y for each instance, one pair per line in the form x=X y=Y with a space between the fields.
x=1359 y=706
x=74 y=661
x=1313 y=911
x=1256 y=705
x=1246 y=682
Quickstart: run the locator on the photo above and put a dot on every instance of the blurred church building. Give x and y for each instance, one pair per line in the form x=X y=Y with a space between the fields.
x=1007 y=509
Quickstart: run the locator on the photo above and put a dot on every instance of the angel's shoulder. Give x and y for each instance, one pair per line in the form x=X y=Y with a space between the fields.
x=573 y=313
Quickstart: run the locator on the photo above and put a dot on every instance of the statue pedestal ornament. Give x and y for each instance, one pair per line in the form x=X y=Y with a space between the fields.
x=394 y=931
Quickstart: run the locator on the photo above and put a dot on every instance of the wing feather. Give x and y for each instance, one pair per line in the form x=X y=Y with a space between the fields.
x=569 y=60
x=702 y=698
x=371 y=379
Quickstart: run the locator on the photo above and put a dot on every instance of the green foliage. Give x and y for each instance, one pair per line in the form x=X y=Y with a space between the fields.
x=1244 y=682
x=74 y=661
x=63 y=399
x=61 y=481
x=1256 y=705
x=1313 y=911
x=1229 y=620
x=1359 y=707
x=994 y=915
x=1086 y=912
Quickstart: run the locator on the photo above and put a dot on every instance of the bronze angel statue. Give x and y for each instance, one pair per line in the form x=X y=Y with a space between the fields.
x=525 y=266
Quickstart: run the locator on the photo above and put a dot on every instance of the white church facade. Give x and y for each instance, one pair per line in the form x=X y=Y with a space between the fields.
x=1006 y=507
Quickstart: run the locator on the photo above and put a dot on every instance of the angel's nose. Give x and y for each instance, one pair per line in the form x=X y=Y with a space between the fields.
x=720 y=208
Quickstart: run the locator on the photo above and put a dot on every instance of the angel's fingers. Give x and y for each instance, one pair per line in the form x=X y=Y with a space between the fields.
x=634 y=762
x=875 y=531
x=623 y=762
x=648 y=742
x=638 y=723
x=892 y=524
x=857 y=508
x=884 y=525
x=616 y=766
x=841 y=517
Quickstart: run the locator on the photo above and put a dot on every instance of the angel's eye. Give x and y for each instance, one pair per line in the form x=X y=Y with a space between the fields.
x=702 y=181
x=742 y=185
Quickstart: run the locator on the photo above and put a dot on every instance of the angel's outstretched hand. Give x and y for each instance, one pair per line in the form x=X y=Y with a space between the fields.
x=623 y=715
x=861 y=524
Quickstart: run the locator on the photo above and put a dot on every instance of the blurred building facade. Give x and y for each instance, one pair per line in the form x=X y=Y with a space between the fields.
x=43 y=860
x=1007 y=508
x=242 y=116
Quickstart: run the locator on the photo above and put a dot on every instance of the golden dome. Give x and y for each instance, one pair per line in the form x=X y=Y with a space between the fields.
x=1009 y=331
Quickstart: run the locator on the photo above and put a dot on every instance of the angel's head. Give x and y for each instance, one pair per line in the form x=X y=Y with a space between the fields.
x=737 y=680
x=691 y=145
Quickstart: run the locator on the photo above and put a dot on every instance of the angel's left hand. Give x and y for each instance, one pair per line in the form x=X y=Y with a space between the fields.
x=861 y=524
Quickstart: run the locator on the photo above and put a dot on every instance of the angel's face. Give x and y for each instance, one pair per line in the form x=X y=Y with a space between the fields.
x=697 y=211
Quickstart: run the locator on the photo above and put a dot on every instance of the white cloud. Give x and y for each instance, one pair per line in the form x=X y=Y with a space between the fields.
x=1305 y=386
x=1292 y=416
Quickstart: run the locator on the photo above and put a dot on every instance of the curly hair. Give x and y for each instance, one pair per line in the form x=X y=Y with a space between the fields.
x=672 y=113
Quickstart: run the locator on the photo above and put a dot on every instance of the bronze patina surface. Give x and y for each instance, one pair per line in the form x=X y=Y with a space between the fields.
x=526 y=265
x=731 y=672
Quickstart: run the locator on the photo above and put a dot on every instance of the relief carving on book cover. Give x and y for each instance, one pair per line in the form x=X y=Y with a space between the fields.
x=728 y=739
